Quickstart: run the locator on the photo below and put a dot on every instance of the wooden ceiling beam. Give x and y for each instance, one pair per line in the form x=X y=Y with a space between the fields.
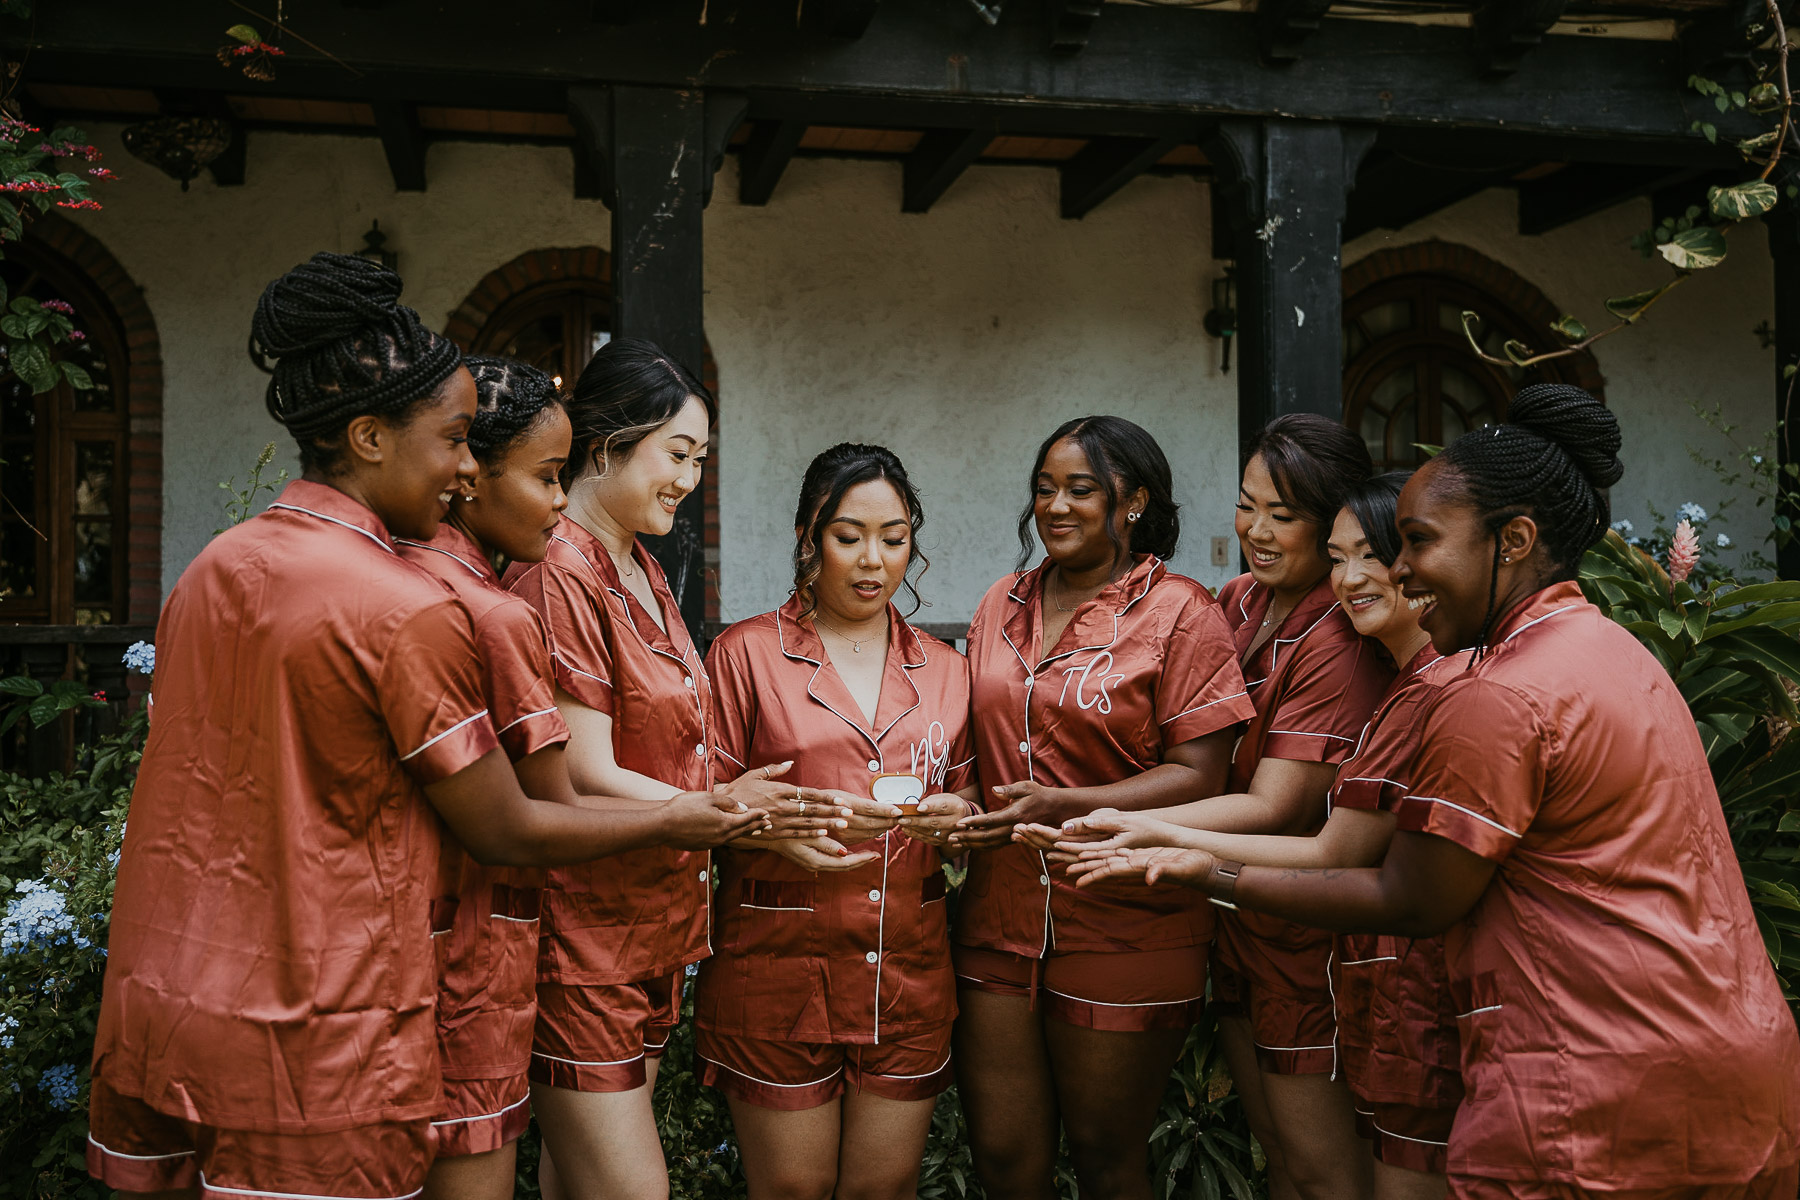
x=1104 y=166
x=1507 y=30
x=1283 y=25
x=940 y=158
x=764 y=157
x=1393 y=192
x=1072 y=23
x=1583 y=189
x=1725 y=36
x=403 y=142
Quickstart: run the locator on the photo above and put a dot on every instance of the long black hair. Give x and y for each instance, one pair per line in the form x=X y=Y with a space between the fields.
x=338 y=344
x=1553 y=461
x=830 y=474
x=511 y=398
x=627 y=391
x=1126 y=458
x=1373 y=503
x=1314 y=461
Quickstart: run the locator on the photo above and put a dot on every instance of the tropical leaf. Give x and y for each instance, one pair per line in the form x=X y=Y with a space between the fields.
x=1694 y=249
x=1741 y=201
x=1627 y=308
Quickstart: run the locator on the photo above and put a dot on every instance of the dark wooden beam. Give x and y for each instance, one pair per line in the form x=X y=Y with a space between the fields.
x=1140 y=60
x=1783 y=223
x=764 y=157
x=1283 y=25
x=1283 y=185
x=936 y=162
x=1072 y=23
x=1105 y=165
x=1583 y=189
x=1506 y=30
x=1726 y=35
x=1392 y=192
x=403 y=142
x=837 y=18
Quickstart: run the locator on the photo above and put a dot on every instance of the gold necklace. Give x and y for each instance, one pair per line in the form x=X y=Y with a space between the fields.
x=855 y=643
x=1063 y=586
x=626 y=568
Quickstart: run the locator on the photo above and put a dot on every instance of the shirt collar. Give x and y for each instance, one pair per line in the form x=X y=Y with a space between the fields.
x=800 y=639
x=456 y=544
x=1541 y=604
x=670 y=642
x=327 y=504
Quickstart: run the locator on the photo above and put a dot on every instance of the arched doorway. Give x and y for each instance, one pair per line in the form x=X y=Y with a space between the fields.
x=1410 y=377
x=553 y=309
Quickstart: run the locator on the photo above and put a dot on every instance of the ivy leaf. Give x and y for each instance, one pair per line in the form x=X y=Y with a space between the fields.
x=1742 y=200
x=1694 y=249
x=1627 y=308
x=244 y=33
x=78 y=378
x=1722 y=102
x=1764 y=97
x=1517 y=351
x=1570 y=328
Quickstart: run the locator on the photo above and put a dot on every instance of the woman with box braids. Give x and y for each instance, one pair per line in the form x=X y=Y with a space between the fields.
x=1553 y=459
x=342 y=346
x=1560 y=820
x=511 y=398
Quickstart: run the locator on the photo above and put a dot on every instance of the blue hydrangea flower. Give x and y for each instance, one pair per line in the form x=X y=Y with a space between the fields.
x=7 y=1025
x=1625 y=528
x=141 y=657
x=1724 y=541
x=62 y=1085
x=37 y=917
x=1693 y=512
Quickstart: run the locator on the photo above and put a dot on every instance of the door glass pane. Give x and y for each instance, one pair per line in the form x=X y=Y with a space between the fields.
x=93 y=562
x=539 y=343
x=18 y=475
x=18 y=407
x=1393 y=317
x=93 y=479
x=1390 y=420
x=18 y=561
x=1466 y=404
x=102 y=397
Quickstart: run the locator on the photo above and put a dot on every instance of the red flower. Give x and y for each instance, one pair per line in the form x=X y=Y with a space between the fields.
x=84 y=204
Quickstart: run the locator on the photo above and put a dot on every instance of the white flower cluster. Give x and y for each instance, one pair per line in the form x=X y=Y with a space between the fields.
x=37 y=917
x=1692 y=512
x=141 y=657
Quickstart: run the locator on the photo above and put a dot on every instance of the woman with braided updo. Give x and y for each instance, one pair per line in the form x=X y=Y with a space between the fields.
x=486 y=918
x=1622 y=1032
x=267 y=1026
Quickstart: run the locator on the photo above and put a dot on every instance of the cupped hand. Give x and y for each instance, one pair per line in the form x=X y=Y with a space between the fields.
x=702 y=820
x=936 y=817
x=822 y=854
x=789 y=810
x=1025 y=803
x=1107 y=829
x=867 y=818
x=1164 y=865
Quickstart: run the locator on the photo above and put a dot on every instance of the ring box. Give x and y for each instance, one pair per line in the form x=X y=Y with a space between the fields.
x=898 y=788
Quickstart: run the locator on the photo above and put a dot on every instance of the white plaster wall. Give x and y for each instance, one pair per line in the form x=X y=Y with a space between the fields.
x=1696 y=347
x=958 y=337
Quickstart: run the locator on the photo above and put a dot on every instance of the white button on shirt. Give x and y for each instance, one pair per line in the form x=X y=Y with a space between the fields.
x=874 y=764
x=700 y=750
x=874 y=893
x=1024 y=747
x=871 y=956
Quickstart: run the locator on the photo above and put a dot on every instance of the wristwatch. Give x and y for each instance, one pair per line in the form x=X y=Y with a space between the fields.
x=1221 y=881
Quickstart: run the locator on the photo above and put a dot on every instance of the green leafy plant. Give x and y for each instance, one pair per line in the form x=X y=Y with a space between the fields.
x=1734 y=653
x=242 y=503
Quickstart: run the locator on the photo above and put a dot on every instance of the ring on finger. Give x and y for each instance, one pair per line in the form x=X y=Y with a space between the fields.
x=803 y=808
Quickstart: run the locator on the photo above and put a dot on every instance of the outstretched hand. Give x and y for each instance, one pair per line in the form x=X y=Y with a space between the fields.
x=788 y=810
x=1026 y=803
x=822 y=854
x=936 y=818
x=1163 y=865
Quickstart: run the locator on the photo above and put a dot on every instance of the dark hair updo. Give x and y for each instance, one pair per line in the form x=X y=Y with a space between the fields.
x=1552 y=461
x=628 y=390
x=511 y=397
x=1126 y=458
x=832 y=473
x=1373 y=503
x=338 y=344
x=1314 y=461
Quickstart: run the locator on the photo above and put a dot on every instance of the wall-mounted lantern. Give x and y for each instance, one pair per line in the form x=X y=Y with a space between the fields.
x=374 y=248
x=1221 y=319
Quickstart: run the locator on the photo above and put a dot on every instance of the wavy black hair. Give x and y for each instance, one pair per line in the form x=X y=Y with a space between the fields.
x=338 y=344
x=1373 y=503
x=830 y=474
x=628 y=390
x=1126 y=458
x=1314 y=461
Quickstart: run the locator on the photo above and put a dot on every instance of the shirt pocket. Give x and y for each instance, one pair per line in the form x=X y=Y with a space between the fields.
x=1478 y=1025
x=771 y=917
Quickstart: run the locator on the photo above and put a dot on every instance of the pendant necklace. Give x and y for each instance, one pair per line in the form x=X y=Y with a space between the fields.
x=855 y=643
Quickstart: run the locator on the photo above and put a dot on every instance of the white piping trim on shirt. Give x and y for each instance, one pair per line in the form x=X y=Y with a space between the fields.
x=1402 y=1136
x=778 y=907
x=347 y=525
x=485 y=1116
x=1363 y=962
x=206 y=1186
x=1332 y=1046
x=1476 y=1011
x=1208 y=704
x=542 y=712
x=105 y=1149
x=1131 y=1004
x=1302 y=733
x=576 y=1062
x=1471 y=812
x=518 y=920
x=568 y=666
x=467 y=565
x=769 y=1082
x=440 y=737
x=927 y=1075
x=1372 y=779
x=1527 y=625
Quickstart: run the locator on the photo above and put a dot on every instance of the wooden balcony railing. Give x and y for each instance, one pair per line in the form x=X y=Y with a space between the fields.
x=91 y=654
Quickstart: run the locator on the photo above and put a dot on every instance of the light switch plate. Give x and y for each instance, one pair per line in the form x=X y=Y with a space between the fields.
x=1221 y=551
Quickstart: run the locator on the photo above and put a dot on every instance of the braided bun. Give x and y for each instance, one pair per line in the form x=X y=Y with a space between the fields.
x=1584 y=428
x=337 y=344
x=511 y=397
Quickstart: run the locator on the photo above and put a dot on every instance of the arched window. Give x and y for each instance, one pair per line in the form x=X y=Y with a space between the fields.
x=63 y=464
x=1410 y=376
x=556 y=327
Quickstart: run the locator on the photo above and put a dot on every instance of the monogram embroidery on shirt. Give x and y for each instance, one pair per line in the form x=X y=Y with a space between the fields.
x=1083 y=675
x=931 y=755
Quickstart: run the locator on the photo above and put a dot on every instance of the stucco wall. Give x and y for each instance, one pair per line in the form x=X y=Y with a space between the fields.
x=958 y=337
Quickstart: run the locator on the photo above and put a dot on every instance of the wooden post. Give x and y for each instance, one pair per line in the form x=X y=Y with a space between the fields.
x=656 y=150
x=1283 y=185
x=1783 y=222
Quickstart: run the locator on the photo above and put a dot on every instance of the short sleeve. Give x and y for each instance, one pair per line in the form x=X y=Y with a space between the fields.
x=1201 y=688
x=1480 y=770
x=1378 y=774
x=734 y=704
x=521 y=698
x=431 y=696
x=580 y=658
x=1331 y=694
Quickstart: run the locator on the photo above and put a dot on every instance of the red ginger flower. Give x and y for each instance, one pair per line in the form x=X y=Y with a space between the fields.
x=1684 y=552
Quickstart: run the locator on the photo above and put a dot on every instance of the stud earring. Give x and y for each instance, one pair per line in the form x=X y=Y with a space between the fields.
x=1133 y=516
x=1505 y=558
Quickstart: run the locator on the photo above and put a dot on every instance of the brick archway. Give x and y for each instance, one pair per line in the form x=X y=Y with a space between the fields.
x=537 y=271
x=92 y=262
x=1504 y=285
